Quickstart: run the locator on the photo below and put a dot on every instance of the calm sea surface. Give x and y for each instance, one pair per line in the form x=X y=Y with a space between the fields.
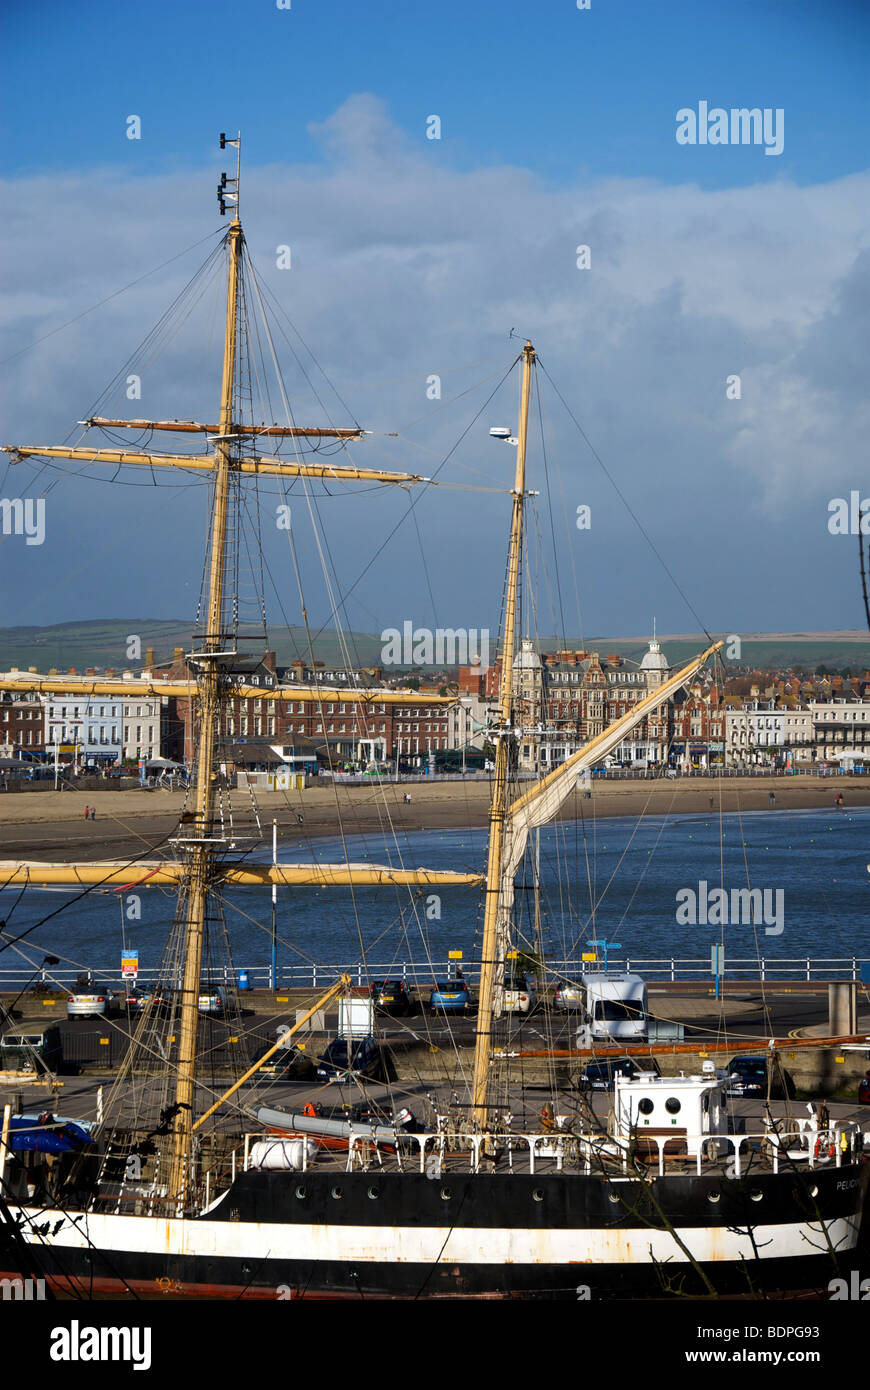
x=616 y=879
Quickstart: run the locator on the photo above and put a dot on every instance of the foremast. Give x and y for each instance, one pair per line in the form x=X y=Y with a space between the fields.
x=207 y=665
x=505 y=736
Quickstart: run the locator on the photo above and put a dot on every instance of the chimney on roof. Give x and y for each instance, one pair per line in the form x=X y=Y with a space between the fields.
x=149 y=657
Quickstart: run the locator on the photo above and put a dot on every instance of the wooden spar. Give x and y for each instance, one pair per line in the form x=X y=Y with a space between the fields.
x=665 y=1049
x=163 y=873
x=194 y=427
x=77 y=687
x=489 y=952
x=207 y=463
x=343 y=984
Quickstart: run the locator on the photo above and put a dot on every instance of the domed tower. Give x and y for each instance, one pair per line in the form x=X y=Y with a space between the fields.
x=654 y=664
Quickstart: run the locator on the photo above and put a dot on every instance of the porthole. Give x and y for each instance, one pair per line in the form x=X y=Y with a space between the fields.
x=714 y=1197
x=814 y=1191
x=374 y=1193
x=673 y=1106
x=538 y=1194
x=756 y=1195
x=613 y=1196
x=301 y=1192
x=646 y=1106
x=446 y=1194
x=335 y=1192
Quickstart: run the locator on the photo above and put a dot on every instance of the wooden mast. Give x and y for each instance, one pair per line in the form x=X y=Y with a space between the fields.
x=200 y=847
x=504 y=745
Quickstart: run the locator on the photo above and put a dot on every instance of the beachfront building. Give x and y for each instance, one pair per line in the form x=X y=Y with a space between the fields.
x=841 y=732
x=84 y=730
x=468 y=721
x=22 y=725
x=699 y=729
x=142 y=720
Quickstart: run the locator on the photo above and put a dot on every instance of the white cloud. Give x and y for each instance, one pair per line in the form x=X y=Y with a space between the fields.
x=403 y=266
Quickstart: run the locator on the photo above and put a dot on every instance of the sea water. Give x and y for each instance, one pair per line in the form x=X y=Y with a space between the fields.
x=617 y=880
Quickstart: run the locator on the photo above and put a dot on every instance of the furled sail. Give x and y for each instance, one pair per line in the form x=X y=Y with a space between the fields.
x=540 y=805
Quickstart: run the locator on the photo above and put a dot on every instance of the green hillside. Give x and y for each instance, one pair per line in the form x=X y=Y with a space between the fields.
x=103 y=642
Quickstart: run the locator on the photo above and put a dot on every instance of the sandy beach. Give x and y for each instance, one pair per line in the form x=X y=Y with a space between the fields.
x=51 y=825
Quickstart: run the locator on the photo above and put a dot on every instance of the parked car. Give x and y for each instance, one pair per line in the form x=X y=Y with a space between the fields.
x=450 y=996
x=864 y=1089
x=212 y=1000
x=159 y=998
x=598 y=1076
x=289 y=1063
x=364 y=1061
x=392 y=997
x=520 y=992
x=568 y=994
x=747 y=1076
x=87 y=1006
x=36 y=1049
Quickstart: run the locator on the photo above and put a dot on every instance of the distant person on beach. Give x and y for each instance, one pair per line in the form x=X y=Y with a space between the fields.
x=93 y=813
x=771 y=799
x=838 y=800
x=87 y=813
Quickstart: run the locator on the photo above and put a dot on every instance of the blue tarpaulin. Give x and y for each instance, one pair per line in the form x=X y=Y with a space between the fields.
x=31 y=1134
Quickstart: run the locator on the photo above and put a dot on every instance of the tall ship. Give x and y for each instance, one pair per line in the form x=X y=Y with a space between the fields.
x=185 y=1184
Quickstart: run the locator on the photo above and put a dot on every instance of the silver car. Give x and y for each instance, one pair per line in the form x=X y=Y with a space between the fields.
x=86 y=1005
x=569 y=995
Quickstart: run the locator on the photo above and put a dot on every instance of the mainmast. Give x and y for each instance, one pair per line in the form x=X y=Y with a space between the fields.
x=504 y=746
x=207 y=664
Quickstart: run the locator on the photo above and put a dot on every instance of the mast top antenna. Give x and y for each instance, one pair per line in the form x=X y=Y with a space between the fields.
x=228 y=189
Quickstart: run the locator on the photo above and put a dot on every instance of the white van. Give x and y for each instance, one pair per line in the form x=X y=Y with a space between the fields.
x=615 y=1008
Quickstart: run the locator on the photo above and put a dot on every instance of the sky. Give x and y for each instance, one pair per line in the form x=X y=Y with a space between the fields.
x=710 y=344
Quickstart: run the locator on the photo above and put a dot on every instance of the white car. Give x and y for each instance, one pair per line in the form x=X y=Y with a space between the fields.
x=86 y=1005
x=212 y=1000
x=520 y=994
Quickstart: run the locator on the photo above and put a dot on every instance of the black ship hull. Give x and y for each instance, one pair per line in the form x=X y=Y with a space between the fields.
x=403 y=1235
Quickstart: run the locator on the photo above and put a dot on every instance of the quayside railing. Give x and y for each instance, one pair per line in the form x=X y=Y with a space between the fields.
x=424 y=973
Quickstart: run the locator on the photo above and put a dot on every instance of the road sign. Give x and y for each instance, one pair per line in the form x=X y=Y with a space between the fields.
x=129 y=965
x=454 y=955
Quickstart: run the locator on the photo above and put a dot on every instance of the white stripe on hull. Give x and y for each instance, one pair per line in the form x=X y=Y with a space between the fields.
x=436 y=1244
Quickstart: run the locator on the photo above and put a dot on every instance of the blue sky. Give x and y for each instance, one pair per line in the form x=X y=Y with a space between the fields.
x=412 y=255
x=538 y=84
